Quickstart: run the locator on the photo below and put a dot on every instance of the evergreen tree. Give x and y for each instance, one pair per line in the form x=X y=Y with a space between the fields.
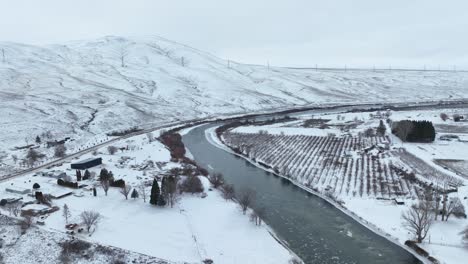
x=134 y=194
x=154 y=196
x=94 y=192
x=38 y=140
x=381 y=128
x=87 y=175
x=103 y=175
x=163 y=197
x=78 y=175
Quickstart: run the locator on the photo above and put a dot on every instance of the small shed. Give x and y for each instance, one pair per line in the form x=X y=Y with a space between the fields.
x=86 y=164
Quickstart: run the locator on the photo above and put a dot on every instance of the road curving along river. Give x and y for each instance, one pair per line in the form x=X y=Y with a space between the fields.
x=314 y=229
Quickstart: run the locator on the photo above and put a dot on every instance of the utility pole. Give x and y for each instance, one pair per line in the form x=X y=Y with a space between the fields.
x=182 y=61
x=229 y=64
x=268 y=65
x=316 y=67
x=3 y=55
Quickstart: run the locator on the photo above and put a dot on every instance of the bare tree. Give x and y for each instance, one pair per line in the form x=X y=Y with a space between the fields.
x=125 y=191
x=444 y=116
x=150 y=137
x=454 y=206
x=418 y=221
x=90 y=218
x=66 y=213
x=437 y=200
x=256 y=216
x=13 y=208
x=228 y=191
x=246 y=198
x=105 y=185
x=60 y=151
x=143 y=192
x=32 y=157
x=261 y=213
x=216 y=179
x=27 y=220
x=112 y=149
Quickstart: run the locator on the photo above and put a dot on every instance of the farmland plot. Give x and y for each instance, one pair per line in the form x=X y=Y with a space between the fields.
x=345 y=166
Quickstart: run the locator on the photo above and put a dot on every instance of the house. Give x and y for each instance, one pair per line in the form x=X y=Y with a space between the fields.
x=86 y=164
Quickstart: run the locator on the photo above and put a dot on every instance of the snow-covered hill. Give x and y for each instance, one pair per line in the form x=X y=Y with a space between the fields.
x=82 y=89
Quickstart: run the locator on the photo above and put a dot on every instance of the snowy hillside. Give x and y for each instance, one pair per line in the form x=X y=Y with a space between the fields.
x=82 y=89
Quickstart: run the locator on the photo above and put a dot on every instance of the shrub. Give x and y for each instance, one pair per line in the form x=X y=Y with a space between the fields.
x=192 y=184
x=216 y=179
x=112 y=150
x=118 y=183
x=67 y=184
x=228 y=191
x=444 y=116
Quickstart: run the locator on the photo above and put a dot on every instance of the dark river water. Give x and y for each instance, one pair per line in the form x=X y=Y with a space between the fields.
x=315 y=230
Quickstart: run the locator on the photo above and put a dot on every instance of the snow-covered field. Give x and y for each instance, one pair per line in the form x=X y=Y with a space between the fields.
x=193 y=230
x=330 y=171
x=84 y=89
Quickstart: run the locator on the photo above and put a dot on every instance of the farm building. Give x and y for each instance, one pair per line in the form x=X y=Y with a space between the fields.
x=86 y=164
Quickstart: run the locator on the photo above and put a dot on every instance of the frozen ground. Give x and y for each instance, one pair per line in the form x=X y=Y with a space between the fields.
x=195 y=229
x=83 y=89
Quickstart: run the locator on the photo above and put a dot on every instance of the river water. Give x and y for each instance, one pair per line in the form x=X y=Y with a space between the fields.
x=315 y=230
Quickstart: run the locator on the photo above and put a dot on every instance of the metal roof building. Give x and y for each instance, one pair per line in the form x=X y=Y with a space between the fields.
x=86 y=164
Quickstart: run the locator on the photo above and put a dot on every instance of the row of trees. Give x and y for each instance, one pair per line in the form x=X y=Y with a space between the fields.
x=414 y=131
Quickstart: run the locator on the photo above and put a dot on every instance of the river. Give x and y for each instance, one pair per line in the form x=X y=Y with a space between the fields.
x=314 y=229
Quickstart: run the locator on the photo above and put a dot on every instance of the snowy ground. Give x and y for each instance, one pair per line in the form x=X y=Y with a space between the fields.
x=195 y=229
x=444 y=241
x=81 y=89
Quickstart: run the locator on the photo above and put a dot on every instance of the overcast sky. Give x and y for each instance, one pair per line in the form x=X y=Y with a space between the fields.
x=407 y=33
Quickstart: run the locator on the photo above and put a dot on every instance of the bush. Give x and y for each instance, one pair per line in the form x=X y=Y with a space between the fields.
x=444 y=116
x=192 y=184
x=216 y=179
x=228 y=191
x=118 y=183
x=112 y=150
